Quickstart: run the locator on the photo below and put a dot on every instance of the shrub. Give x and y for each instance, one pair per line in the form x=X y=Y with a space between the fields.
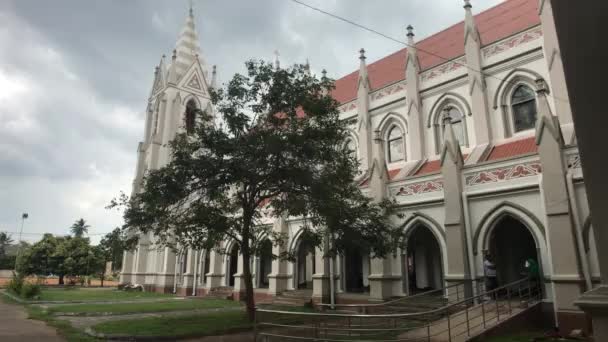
x=29 y=290
x=16 y=284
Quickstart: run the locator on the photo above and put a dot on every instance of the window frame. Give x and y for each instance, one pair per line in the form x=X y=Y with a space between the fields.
x=512 y=105
x=389 y=140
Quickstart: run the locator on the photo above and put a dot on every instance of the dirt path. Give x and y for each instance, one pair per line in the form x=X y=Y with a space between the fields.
x=15 y=326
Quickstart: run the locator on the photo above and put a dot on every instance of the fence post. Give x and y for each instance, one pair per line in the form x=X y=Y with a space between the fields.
x=255 y=326
x=509 y=299
x=483 y=312
x=428 y=329
x=447 y=311
x=497 y=308
x=466 y=311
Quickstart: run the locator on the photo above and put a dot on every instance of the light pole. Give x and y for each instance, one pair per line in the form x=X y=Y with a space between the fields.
x=23 y=217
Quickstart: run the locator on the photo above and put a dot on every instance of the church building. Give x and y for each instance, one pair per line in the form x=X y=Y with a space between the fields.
x=469 y=130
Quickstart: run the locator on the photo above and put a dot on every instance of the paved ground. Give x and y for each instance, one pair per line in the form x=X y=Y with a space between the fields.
x=14 y=326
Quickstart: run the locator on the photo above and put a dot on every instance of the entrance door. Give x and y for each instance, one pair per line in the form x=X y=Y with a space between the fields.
x=511 y=244
x=423 y=261
x=353 y=271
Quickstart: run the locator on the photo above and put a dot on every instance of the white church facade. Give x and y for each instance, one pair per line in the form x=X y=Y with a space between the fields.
x=502 y=176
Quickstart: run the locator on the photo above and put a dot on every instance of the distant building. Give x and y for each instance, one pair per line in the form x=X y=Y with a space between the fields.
x=469 y=130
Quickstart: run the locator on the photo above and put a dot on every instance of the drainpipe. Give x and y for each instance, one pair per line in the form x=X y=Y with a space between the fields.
x=332 y=285
x=467 y=229
x=579 y=233
x=175 y=273
x=196 y=261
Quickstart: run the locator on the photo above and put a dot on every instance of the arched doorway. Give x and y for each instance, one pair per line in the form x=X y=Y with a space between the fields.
x=233 y=262
x=422 y=260
x=510 y=244
x=304 y=266
x=355 y=267
x=265 y=263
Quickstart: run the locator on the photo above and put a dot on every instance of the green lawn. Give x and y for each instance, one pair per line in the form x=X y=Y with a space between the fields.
x=195 y=325
x=127 y=308
x=95 y=294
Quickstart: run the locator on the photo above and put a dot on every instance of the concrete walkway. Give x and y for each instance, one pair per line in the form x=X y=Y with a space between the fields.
x=15 y=326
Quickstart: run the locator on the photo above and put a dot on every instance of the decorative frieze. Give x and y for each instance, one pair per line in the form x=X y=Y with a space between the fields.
x=444 y=68
x=504 y=173
x=348 y=106
x=418 y=188
x=512 y=42
x=395 y=88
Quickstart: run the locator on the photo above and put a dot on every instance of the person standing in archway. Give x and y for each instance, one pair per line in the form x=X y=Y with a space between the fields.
x=489 y=270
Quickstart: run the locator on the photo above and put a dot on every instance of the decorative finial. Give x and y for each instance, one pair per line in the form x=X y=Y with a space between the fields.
x=174 y=56
x=277 y=63
x=214 y=68
x=410 y=31
x=156 y=70
x=362 y=54
x=324 y=73
x=541 y=86
x=467 y=4
x=307 y=64
x=446 y=115
x=191 y=11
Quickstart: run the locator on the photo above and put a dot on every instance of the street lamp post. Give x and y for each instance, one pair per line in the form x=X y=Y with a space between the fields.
x=23 y=217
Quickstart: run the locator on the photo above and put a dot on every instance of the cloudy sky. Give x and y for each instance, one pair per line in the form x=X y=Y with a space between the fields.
x=75 y=75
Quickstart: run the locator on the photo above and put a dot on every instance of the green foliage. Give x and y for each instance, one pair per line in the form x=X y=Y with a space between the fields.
x=16 y=284
x=7 y=262
x=113 y=246
x=80 y=228
x=277 y=145
x=5 y=241
x=30 y=290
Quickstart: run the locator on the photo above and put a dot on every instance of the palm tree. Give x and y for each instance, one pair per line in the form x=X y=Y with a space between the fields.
x=79 y=228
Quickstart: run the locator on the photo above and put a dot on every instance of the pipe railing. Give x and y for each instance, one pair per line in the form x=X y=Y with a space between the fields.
x=452 y=322
x=445 y=295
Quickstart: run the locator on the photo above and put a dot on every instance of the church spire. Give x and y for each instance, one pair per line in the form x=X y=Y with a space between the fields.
x=187 y=46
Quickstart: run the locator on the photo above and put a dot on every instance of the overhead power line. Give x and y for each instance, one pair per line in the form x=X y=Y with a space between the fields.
x=363 y=27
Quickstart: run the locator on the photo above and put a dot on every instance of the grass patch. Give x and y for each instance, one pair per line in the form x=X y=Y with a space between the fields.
x=127 y=308
x=215 y=323
x=96 y=294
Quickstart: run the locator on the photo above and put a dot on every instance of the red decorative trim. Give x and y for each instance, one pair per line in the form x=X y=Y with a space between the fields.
x=395 y=88
x=512 y=42
x=444 y=68
x=420 y=188
x=504 y=173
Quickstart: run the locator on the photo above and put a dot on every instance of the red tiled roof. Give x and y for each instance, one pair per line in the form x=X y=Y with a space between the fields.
x=496 y=23
x=512 y=149
x=433 y=166
x=393 y=173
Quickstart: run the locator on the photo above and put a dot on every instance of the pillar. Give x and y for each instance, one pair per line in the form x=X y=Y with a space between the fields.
x=215 y=277
x=458 y=264
x=416 y=141
x=278 y=279
x=566 y=279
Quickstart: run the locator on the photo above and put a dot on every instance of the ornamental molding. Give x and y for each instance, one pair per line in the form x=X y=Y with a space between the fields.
x=502 y=174
x=511 y=42
x=390 y=90
x=418 y=188
x=348 y=106
x=444 y=68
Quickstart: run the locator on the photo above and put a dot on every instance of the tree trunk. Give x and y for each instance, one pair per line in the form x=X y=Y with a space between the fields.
x=61 y=279
x=249 y=300
x=103 y=275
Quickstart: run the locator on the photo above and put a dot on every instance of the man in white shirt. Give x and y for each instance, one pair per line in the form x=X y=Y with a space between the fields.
x=489 y=270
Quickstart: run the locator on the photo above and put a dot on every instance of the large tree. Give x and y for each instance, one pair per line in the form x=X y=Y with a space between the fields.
x=113 y=246
x=276 y=142
x=80 y=228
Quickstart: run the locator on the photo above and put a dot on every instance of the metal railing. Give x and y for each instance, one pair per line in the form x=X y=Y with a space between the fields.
x=431 y=299
x=452 y=322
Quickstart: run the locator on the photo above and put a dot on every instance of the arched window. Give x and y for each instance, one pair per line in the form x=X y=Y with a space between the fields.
x=351 y=147
x=190 y=116
x=523 y=106
x=457 y=124
x=396 y=150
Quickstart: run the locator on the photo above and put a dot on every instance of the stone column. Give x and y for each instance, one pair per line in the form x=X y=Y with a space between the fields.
x=455 y=229
x=566 y=279
x=279 y=277
x=239 y=279
x=364 y=119
x=126 y=273
x=215 y=277
x=382 y=281
x=320 y=280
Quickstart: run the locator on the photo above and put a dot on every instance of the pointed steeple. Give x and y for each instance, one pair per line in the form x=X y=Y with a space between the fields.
x=277 y=63
x=172 y=74
x=470 y=29
x=214 y=77
x=187 y=46
x=364 y=118
x=363 y=76
x=412 y=98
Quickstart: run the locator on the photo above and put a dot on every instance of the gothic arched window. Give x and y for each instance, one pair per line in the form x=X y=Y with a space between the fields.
x=190 y=116
x=523 y=106
x=351 y=147
x=457 y=124
x=396 y=149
